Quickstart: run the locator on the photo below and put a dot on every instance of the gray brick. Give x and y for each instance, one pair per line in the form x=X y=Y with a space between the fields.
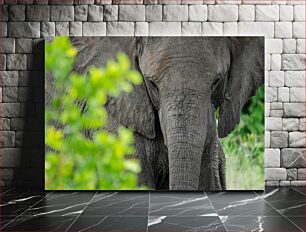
x=294 y=110
x=294 y=78
x=297 y=94
x=17 y=12
x=298 y=183
x=95 y=13
x=272 y=158
x=293 y=157
x=292 y=174
x=222 y=13
x=286 y=13
x=191 y=29
x=75 y=28
x=211 y=28
x=197 y=13
x=8 y=45
x=284 y=183
x=256 y=28
x=11 y=109
x=275 y=62
x=272 y=182
x=296 y=139
x=175 y=13
x=9 y=78
x=5 y=124
x=283 y=94
x=298 y=30
x=2 y=62
x=302 y=174
x=11 y=157
x=279 y=139
x=289 y=45
x=267 y=13
x=24 y=29
x=267 y=109
x=18 y=123
x=276 y=79
x=299 y=13
x=3 y=26
x=290 y=124
x=4 y=15
x=230 y=28
x=94 y=29
x=283 y=29
x=61 y=28
x=38 y=13
x=25 y=94
x=246 y=13
x=131 y=13
x=9 y=94
x=164 y=28
x=8 y=138
x=271 y=94
x=47 y=29
x=275 y=174
x=300 y=46
x=276 y=105
x=24 y=45
x=110 y=13
x=154 y=13
x=7 y=174
x=302 y=124
x=273 y=123
x=141 y=29
x=16 y=62
x=120 y=29
x=80 y=13
x=62 y=13
x=276 y=113
x=267 y=138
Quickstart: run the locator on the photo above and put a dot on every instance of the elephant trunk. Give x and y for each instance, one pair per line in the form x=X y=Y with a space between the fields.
x=185 y=119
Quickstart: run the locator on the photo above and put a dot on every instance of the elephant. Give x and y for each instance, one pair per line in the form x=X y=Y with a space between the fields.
x=186 y=80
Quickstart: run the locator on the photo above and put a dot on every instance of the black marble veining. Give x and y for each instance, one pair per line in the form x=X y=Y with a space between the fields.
x=280 y=209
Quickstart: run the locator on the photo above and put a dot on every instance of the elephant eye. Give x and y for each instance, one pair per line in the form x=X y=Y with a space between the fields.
x=150 y=79
x=216 y=80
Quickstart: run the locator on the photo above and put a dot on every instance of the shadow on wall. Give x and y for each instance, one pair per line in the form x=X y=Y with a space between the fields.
x=31 y=140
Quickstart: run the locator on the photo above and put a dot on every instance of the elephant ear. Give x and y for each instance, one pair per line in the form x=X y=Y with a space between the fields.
x=133 y=110
x=245 y=75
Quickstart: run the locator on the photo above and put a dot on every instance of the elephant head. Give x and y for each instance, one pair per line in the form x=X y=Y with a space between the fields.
x=186 y=79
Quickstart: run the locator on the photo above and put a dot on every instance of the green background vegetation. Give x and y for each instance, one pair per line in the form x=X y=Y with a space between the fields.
x=244 y=147
x=105 y=162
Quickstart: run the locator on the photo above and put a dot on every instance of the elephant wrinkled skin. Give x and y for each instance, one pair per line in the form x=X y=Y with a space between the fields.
x=186 y=79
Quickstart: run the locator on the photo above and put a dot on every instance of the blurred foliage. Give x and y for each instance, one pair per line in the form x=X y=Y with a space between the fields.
x=73 y=161
x=244 y=147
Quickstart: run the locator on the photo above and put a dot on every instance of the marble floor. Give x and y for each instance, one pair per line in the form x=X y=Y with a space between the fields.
x=274 y=210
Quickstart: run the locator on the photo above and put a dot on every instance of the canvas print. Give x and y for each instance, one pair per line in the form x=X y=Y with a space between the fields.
x=154 y=113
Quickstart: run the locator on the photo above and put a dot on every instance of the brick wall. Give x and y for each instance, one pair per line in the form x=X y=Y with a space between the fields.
x=21 y=63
